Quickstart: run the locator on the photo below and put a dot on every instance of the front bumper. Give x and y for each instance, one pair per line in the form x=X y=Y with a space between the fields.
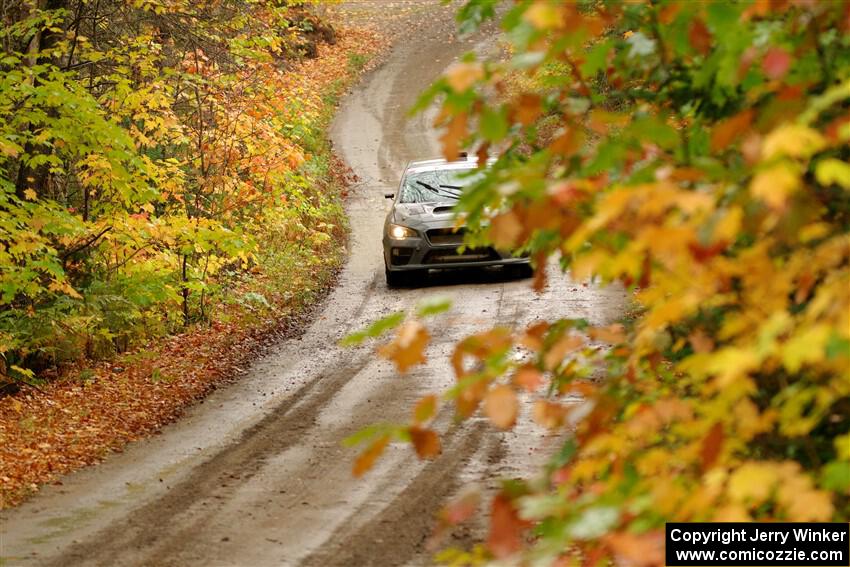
x=420 y=254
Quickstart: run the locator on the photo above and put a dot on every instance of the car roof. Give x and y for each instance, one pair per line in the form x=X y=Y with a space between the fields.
x=441 y=163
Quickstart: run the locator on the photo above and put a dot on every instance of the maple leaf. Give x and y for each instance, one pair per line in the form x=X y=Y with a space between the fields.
x=408 y=347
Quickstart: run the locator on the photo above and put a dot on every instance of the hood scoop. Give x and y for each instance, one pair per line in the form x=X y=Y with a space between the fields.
x=443 y=209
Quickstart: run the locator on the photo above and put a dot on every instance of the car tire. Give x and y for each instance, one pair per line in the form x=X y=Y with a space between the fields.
x=397 y=279
x=523 y=271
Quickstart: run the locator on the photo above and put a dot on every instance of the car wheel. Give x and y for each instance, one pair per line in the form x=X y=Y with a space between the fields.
x=397 y=279
x=523 y=271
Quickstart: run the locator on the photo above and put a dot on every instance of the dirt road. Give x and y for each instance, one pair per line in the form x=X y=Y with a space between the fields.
x=256 y=474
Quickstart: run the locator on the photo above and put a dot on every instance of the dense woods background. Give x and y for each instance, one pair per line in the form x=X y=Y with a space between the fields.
x=153 y=156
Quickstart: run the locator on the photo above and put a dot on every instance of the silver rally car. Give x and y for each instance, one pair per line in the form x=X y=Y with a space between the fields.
x=420 y=232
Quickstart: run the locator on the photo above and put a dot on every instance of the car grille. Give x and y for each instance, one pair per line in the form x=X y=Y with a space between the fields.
x=444 y=236
x=449 y=256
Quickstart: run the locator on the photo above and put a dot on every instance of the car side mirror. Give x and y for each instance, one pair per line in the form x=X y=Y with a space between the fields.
x=389 y=195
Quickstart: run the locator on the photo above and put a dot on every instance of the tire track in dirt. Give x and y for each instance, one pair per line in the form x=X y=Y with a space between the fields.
x=210 y=483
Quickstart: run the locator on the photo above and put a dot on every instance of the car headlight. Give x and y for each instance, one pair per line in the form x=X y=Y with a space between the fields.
x=399 y=232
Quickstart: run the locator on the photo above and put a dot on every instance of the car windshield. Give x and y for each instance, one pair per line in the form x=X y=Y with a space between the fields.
x=436 y=186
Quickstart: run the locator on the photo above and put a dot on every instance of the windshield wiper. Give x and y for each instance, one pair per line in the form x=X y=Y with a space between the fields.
x=437 y=191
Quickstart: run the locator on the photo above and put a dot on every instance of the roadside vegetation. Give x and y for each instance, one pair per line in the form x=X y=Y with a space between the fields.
x=697 y=154
x=168 y=198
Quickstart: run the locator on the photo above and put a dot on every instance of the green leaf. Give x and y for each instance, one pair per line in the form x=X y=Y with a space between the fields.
x=835 y=476
x=376 y=329
x=833 y=171
x=433 y=306
x=494 y=124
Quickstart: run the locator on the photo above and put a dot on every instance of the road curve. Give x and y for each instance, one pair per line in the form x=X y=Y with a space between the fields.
x=255 y=475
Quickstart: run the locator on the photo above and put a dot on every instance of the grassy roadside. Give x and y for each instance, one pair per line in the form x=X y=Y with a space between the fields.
x=92 y=409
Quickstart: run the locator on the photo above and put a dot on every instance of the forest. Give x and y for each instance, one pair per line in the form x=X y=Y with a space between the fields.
x=166 y=177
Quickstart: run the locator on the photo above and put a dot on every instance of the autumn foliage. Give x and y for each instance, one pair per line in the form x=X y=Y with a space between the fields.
x=695 y=153
x=155 y=155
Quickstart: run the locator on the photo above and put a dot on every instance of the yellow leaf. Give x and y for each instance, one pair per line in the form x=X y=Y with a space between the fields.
x=792 y=140
x=752 y=483
x=775 y=184
x=544 y=15
x=833 y=171
x=796 y=493
x=805 y=346
x=30 y=195
x=501 y=406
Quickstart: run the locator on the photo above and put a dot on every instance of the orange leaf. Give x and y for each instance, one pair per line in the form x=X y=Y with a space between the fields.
x=455 y=133
x=700 y=37
x=528 y=378
x=505 y=230
x=425 y=409
x=641 y=550
x=549 y=414
x=425 y=441
x=407 y=349
x=501 y=406
x=469 y=398
x=461 y=508
x=730 y=129
x=462 y=75
x=560 y=349
x=506 y=528
x=711 y=446
x=539 y=283
x=366 y=459
x=527 y=109
x=614 y=334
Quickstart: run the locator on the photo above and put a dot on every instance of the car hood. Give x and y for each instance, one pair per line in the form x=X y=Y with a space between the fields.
x=423 y=215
